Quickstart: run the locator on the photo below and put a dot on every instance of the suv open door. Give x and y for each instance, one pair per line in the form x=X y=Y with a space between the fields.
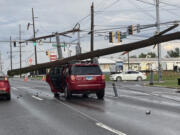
x=54 y=79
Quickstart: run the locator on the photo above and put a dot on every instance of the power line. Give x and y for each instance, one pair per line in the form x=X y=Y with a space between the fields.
x=137 y=6
x=168 y=4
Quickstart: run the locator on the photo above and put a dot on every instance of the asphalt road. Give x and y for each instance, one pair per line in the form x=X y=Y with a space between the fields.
x=138 y=110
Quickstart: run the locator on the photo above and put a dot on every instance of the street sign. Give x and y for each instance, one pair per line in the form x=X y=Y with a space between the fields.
x=55 y=45
x=30 y=61
x=34 y=43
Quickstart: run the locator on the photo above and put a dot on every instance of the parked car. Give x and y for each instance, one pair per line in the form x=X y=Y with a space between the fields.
x=77 y=78
x=129 y=75
x=4 y=86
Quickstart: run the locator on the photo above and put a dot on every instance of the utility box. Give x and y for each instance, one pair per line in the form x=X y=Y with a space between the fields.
x=178 y=81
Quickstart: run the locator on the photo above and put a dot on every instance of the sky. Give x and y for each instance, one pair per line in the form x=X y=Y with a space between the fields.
x=61 y=15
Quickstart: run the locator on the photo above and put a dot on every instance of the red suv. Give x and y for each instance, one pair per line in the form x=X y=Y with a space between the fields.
x=77 y=78
x=4 y=86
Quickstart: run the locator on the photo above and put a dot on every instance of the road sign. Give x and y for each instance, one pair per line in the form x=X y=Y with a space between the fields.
x=55 y=45
x=34 y=43
x=30 y=61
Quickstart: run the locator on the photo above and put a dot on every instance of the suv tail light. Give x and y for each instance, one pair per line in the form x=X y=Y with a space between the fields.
x=73 y=77
x=103 y=77
x=6 y=79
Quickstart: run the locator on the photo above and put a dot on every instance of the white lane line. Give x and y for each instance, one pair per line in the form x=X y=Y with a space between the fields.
x=98 y=123
x=14 y=88
x=110 y=129
x=40 y=99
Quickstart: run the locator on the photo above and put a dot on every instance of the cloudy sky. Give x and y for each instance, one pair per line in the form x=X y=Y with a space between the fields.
x=60 y=15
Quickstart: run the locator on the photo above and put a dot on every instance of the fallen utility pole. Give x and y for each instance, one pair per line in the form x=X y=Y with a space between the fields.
x=34 y=35
x=52 y=35
x=101 y=52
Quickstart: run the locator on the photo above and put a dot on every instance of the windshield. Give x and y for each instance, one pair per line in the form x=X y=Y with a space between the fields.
x=86 y=70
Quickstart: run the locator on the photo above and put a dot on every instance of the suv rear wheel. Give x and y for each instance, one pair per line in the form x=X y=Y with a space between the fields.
x=67 y=93
x=100 y=94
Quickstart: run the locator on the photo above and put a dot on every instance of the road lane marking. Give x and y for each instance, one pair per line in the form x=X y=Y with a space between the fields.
x=98 y=123
x=110 y=129
x=40 y=99
x=14 y=88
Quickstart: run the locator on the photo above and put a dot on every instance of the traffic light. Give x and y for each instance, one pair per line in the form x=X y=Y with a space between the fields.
x=47 y=53
x=131 y=30
x=14 y=43
x=110 y=37
x=119 y=36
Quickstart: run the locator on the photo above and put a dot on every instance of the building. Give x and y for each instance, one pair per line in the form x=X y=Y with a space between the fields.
x=137 y=64
x=142 y=64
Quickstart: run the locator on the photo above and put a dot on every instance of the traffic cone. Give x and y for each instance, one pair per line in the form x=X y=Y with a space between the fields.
x=25 y=79
x=43 y=78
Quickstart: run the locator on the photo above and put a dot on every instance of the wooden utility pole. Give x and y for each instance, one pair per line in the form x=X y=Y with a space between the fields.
x=92 y=27
x=20 y=47
x=34 y=35
x=10 y=52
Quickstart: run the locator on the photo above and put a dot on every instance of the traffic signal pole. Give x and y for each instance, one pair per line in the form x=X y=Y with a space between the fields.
x=34 y=35
x=11 y=52
x=158 y=45
x=20 y=47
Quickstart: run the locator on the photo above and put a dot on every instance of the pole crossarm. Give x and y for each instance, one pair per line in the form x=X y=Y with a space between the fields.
x=52 y=35
x=101 y=52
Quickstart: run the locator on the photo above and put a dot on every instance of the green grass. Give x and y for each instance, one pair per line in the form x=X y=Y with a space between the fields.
x=169 y=79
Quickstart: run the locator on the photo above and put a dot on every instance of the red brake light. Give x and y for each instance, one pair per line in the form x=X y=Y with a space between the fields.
x=6 y=79
x=72 y=77
x=103 y=77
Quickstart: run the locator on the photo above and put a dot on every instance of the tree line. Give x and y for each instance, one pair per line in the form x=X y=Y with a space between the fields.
x=170 y=54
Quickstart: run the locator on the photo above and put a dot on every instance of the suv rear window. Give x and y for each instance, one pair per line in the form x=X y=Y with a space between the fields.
x=85 y=70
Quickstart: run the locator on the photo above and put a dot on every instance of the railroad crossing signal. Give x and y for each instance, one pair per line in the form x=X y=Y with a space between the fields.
x=110 y=37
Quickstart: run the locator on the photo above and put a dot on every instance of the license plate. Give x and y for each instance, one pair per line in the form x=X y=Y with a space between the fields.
x=88 y=77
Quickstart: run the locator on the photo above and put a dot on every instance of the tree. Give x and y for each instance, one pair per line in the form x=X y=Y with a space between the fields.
x=151 y=54
x=133 y=56
x=142 y=55
x=174 y=53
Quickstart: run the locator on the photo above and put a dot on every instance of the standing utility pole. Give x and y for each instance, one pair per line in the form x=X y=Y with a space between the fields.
x=34 y=34
x=158 y=45
x=20 y=47
x=11 y=52
x=78 y=49
x=92 y=27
